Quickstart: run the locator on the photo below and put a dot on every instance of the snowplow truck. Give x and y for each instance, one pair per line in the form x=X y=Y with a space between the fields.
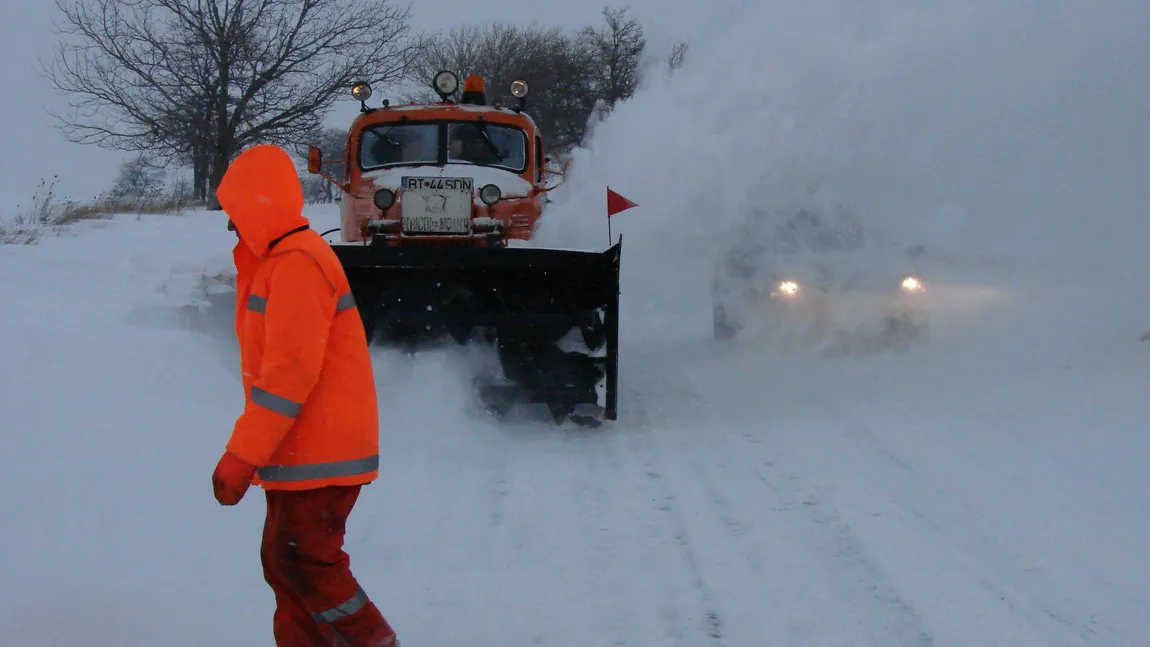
x=436 y=201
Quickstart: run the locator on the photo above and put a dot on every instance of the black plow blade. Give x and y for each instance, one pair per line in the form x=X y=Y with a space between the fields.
x=552 y=315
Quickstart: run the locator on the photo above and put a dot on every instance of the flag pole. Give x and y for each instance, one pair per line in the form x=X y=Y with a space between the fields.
x=609 y=236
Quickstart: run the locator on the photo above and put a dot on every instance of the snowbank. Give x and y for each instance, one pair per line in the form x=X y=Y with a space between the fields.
x=111 y=414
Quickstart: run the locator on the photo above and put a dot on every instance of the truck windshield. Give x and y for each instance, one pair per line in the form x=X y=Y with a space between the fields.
x=807 y=230
x=487 y=144
x=468 y=142
x=391 y=144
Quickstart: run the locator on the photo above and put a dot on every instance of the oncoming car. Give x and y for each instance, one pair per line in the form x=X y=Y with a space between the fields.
x=815 y=278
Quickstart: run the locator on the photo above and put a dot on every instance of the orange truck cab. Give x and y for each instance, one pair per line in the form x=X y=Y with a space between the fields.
x=443 y=174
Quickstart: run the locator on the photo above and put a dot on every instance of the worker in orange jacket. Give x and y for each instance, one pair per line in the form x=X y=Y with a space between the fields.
x=309 y=432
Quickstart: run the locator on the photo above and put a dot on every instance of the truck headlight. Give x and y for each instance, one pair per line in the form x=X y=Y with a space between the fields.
x=361 y=91
x=911 y=284
x=490 y=194
x=383 y=199
x=445 y=83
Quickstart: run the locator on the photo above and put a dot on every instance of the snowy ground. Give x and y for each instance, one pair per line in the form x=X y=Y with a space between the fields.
x=989 y=490
x=976 y=493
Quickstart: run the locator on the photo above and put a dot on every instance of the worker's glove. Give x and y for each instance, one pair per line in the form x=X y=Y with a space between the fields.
x=231 y=479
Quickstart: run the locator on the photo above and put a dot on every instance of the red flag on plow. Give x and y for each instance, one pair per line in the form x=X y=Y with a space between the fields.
x=617 y=203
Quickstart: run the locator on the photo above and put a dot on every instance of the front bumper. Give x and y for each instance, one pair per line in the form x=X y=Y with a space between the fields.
x=814 y=315
x=844 y=305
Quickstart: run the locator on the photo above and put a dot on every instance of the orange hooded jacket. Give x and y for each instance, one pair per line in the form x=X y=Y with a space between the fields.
x=310 y=418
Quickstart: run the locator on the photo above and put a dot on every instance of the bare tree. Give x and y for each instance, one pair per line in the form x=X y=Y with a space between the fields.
x=199 y=80
x=555 y=65
x=617 y=49
x=138 y=179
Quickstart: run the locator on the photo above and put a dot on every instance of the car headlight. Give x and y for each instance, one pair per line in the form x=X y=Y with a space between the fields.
x=786 y=289
x=912 y=284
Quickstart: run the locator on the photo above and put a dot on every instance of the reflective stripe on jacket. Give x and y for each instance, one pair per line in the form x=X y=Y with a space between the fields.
x=310 y=417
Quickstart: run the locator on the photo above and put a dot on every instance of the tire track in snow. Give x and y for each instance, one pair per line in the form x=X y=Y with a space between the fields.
x=433 y=540
x=728 y=474
x=986 y=556
x=711 y=498
x=655 y=392
x=837 y=576
x=612 y=614
x=667 y=399
x=607 y=526
x=853 y=568
x=669 y=505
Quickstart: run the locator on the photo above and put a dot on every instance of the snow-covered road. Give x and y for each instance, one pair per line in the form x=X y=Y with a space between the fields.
x=991 y=490
x=985 y=491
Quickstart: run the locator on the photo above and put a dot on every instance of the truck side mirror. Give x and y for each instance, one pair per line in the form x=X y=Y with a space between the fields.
x=561 y=174
x=314 y=159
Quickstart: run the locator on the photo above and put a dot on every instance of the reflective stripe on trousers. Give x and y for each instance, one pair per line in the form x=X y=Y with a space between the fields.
x=281 y=473
x=355 y=603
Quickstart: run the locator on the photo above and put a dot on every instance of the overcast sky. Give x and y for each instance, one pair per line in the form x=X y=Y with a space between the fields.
x=35 y=150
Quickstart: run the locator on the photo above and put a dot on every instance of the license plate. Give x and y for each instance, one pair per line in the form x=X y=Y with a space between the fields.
x=429 y=225
x=436 y=205
x=438 y=183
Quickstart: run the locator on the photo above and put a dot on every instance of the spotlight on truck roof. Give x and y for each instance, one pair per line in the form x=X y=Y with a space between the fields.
x=361 y=91
x=446 y=83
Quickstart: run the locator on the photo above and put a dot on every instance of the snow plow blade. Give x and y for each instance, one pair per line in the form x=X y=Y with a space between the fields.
x=526 y=301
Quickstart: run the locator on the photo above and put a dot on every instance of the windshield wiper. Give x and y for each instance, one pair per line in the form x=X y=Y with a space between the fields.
x=487 y=140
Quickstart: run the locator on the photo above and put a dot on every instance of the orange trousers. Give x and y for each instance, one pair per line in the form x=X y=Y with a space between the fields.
x=318 y=601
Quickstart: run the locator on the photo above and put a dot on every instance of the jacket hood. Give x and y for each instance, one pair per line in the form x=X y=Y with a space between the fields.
x=261 y=193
